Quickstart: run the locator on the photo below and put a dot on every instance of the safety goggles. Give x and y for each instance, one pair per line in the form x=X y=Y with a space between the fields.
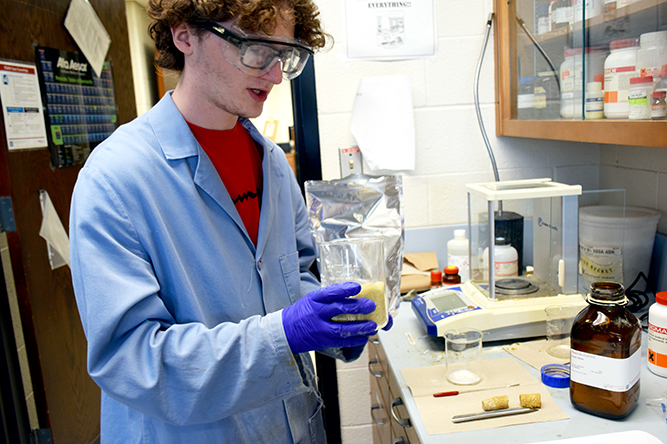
x=255 y=55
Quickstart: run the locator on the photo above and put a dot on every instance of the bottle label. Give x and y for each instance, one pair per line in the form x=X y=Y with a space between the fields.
x=658 y=111
x=639 y=104
x=657 y=345
x=615 y=375
x=462 y=263
x=617 y=83
x=594 y=104
x=650 y=71
x=506 y=269
x=600 y=263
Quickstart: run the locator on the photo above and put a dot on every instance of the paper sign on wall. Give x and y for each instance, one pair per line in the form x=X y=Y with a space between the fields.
x=22 y=106
x=389 y=30
x=88 y=32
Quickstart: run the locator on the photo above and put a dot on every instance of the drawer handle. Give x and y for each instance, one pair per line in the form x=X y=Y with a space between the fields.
x=402 y=422
x=372 y=362
x=379 y=421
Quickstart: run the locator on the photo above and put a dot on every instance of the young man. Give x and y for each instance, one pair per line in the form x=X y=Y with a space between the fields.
x=190 y=245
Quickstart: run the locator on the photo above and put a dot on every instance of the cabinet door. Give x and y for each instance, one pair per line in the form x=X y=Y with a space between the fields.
x=554 y=69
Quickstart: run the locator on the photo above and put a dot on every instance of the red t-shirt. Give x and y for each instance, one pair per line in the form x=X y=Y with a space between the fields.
x=238 y=160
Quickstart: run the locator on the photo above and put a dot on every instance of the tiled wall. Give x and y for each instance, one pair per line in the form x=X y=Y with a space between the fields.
x=641 y=171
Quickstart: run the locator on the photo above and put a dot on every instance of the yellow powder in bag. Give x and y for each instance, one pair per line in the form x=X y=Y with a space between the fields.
x=374 y=291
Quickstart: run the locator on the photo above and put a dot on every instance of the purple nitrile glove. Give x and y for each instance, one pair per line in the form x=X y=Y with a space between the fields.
x=390 y=323
x=308 y=325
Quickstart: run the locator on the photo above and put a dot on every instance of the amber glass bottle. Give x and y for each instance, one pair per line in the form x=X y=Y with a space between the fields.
x=605 y=355
x=451 y=276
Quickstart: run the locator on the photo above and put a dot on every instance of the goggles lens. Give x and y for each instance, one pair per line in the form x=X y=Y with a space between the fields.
x=257 y=56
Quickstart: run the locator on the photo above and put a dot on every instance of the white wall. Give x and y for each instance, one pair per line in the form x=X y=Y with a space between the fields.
x=642 y=172
x=142 y=51
x=450 y=150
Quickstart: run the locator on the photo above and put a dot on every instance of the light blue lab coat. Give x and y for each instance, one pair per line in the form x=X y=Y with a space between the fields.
x=182 y=313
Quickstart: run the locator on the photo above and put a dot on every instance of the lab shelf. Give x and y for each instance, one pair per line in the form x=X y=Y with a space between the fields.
x=517 y=56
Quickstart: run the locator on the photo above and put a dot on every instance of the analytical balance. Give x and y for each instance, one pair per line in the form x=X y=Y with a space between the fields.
x=506 y=299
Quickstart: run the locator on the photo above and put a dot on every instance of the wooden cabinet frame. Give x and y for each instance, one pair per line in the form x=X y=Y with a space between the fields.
x=619 y=132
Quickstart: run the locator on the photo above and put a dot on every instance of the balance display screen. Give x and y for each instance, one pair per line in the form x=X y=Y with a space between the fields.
x=447 y=302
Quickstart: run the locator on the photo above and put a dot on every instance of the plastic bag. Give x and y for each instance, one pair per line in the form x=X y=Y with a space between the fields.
x=361 y=206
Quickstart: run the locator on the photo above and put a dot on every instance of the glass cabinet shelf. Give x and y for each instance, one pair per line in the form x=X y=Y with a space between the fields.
x=579 y=70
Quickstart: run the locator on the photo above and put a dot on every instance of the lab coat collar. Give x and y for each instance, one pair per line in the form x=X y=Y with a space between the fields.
x=178 y=142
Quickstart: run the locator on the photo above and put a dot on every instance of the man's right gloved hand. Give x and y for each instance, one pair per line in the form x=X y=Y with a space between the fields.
x=308 y=325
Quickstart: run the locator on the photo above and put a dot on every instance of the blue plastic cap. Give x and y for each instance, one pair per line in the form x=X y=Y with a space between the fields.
x=556 y=375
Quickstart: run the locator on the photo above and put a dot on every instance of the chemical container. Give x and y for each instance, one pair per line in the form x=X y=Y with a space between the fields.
x=657 y=335
x=639 y=98
x=605 y=356
x=547 y=96
x=658 y=106
x=652 y=54
x=594 y=101
x=525 y=99
x=619 y=68
x=572 y=79
x=457 y=254
x=615 y=245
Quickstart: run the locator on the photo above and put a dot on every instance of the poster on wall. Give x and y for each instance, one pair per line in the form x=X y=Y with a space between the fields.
x=80 y=106
x=389 y=30
x=21 y=106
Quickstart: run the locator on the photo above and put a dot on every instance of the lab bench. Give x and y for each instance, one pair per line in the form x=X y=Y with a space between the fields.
x=396 y=419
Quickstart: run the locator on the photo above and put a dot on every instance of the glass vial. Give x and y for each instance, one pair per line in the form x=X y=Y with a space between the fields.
x=451 y=276
x=605 y=354
x=658 y=106
x=436 y=279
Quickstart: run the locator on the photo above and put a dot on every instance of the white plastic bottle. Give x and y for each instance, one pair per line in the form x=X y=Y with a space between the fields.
x=657 y=335
x=505 y=260
x=594 y=101
x=457 y=254
x=639 y=98
x=619 y=68
x=652 y=54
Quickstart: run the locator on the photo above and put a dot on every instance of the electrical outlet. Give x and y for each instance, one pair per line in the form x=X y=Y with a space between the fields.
x=350 y=161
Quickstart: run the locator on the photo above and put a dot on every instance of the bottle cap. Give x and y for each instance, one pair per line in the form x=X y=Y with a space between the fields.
x=453 y=269
x=460 y=233
x=598 y=78
x=661 y=297
x=593 y=86
x=436 y=275
x=636 y=80
x=658 y=94
x=556 y=375
x=624 y=43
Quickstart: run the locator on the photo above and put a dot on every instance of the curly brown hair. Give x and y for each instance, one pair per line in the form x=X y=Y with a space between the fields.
x=251 y=15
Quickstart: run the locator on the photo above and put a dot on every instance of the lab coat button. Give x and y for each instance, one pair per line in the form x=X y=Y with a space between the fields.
x=259 y=265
